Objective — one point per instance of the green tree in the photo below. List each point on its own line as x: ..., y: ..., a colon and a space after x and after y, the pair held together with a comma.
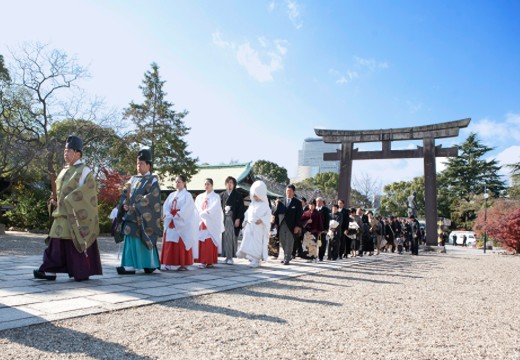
x: 326, y: 180
x: 444, y: 197
x: 326, y: 185
x: 160, y: 128
x: 271, y: 171
x: 466, y: 177
x: 4, y: 73
x: 357, y: 199
x: 514, y: 189
x: 15, y: 155
x: 322, y: 184
x: 469, y: 173
x: 40, y: 93
x: 395, y: 197
x: 42, y: 78
x: 102, y: 147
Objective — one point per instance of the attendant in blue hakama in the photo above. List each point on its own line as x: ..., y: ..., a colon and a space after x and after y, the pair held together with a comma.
x: 139, y: 219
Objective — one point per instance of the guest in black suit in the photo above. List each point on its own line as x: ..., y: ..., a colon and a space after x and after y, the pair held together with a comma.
x: 298, y: 240
x: 233, y: 207
x: 359, y: 239
x: 325, y: 217
x: 335, y: 240
x: 288, y: 224
x: 415, y: 228
x: 343, y: 250
x: 304, y: 204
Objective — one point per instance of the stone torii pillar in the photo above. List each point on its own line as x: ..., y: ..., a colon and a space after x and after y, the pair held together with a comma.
x: 427, y: 133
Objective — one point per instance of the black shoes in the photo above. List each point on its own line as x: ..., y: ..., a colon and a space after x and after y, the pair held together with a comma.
x: 122, y: 271
x: 286, y: 262
x: 41, y: 275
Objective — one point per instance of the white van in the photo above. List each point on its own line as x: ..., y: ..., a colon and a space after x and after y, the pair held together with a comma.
x: 471, y: 239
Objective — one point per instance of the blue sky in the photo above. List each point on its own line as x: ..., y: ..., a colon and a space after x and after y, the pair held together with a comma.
x: 258, y: 76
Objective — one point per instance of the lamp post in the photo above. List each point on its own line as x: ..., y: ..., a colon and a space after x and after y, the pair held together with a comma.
x: 486, y: 195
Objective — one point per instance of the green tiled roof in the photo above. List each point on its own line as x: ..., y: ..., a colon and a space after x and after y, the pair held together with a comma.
x: 218, y: 173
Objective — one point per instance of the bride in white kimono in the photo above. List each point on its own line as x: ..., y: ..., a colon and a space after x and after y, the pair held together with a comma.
x: 257, y: 221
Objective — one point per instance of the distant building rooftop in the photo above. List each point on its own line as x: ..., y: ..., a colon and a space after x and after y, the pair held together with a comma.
x: 241, y: 172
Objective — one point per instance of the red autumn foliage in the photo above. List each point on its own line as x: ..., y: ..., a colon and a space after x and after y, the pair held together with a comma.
x: 111, y: 186
x: 503, y: 224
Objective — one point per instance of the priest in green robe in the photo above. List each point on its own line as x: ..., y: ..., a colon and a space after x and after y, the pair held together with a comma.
x: 72, y: 243
x: 139, y: 219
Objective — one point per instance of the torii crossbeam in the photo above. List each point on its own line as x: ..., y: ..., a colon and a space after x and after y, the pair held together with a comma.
x: 426, y: 133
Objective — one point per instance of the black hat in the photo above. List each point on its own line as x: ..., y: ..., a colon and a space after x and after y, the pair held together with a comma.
x: 75, y: 143
x: 145, y: 155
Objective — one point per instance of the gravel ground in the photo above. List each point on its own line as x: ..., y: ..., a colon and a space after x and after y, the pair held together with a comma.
x: 436, y: 306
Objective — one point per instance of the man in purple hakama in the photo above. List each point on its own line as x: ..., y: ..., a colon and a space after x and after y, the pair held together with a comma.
x: 72, y: 246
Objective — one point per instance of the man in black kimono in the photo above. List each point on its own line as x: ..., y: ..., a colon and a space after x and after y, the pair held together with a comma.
x: 233, y: 207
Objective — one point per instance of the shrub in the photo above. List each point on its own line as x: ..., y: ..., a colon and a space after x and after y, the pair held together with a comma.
x: 29, y: 208
x: 503, y: 223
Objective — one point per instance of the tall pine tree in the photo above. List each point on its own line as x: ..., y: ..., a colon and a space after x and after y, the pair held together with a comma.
x: 469, y: 173
x: 160, y: 128
x: 465, y: 179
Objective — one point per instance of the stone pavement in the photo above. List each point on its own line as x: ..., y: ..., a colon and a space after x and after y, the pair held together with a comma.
x: 25, y: 301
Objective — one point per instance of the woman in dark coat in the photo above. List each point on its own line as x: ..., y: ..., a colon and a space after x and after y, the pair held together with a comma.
x: 311, y: 221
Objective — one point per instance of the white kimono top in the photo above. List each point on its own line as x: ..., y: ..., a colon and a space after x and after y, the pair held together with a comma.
x: 211, y: 222
x: 179, y: 207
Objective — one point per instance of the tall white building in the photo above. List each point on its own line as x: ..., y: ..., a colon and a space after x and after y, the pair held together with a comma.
x: 310, y: 159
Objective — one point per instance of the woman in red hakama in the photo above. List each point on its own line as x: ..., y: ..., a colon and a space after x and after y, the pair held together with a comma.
x: 211, y: 225
x: 181, y: 221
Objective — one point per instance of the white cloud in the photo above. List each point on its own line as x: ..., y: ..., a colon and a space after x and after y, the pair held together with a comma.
x: 280, y: 46
x: 413, y: 107
x: 334, y: 72
x: 348, y: 77
x: 508, y: 156
x: 250, y: 59
x: 512, y: 118
x: 264, y: 42
x: 260, y: 63
x: 497, y: 130
x: 370, y: 64
x: 293, y: 10
x: 218, y: 41
x: 361, y: 66
x: 271, y: 6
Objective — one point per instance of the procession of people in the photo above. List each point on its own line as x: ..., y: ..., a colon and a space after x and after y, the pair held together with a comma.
x: 201, y: 230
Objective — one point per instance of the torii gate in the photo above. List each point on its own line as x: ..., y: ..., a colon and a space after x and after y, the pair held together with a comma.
x: 428, y: 151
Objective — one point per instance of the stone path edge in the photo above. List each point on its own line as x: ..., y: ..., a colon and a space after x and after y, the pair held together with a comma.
x: 271, y: 272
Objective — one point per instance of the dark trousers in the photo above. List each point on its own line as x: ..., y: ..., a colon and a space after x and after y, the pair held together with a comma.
x: 334, y: 245
x: 415, y: 246
x: 286, y: 241
x: 297, y: 247
x: 343, y: 251
x: 359, y: 243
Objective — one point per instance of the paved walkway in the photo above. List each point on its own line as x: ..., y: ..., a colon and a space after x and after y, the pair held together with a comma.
x: 25, y: 301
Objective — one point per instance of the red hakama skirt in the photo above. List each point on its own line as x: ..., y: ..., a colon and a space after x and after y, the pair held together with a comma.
x: 175, y: 253
x: 208, y: 252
